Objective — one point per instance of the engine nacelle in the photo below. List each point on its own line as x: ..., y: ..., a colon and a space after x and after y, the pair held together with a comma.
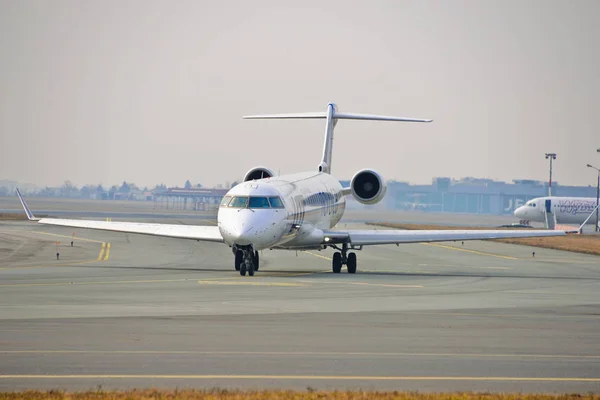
x: 258, y: 173
x: 368, y: 187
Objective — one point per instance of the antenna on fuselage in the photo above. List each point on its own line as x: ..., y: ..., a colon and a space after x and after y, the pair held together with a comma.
x: 332, y: 115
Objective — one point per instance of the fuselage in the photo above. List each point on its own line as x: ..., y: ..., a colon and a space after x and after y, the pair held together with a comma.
x: 568, y: 210
x: 288, y: 211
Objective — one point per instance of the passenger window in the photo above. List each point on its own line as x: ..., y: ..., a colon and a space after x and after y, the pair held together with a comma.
x: 275, y: 202
x: 258, y: 202
x: 239, y: 202
x: 225, y: 201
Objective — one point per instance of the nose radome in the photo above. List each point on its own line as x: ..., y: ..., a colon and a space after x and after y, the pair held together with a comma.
x: 518, y: 212
x: 241, y: 229
x: 242, y: 236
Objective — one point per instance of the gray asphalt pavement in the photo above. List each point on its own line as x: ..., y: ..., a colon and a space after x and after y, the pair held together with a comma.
x: 123, y: 310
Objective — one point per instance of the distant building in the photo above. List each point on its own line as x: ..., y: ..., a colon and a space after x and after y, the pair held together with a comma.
x: 474, y: 195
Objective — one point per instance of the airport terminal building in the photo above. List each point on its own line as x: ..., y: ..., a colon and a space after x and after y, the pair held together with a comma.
x: 470, y: 195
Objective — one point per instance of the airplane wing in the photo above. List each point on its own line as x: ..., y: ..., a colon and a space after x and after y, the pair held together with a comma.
x: 395, y: 236
x: 193, y: 232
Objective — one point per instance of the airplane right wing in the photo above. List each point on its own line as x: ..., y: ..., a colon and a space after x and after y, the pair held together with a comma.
x: 193, y: 232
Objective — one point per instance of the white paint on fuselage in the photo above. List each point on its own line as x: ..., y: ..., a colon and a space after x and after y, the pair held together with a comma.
x: 312, y: 201
x: 568, y: 210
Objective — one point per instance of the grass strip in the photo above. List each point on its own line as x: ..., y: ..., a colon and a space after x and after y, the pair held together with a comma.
x: 309, y: 394
x: 13, y: 216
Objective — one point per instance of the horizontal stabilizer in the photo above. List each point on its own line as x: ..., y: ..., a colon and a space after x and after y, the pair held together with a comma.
x: 314, y: 115
x: 336, y: 115
x: 371, y: 117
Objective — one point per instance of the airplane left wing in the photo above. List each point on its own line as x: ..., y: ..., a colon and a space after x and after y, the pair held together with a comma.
x: 394, y: 236
x: 193, y: 232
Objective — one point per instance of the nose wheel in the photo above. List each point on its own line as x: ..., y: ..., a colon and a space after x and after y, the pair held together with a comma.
x: 246, y: 261
x: 343, y: 258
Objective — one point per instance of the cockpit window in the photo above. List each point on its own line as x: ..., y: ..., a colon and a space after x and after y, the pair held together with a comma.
x: 275, y: 202
x: 258, y: 202
x: 251, y: 202
x: 225, y: 201
x: 239, y: 202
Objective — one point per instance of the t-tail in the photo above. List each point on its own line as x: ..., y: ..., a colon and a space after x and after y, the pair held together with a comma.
x: 332, y: 115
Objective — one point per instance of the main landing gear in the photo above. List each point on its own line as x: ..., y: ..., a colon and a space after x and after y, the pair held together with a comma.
x: 246, y: 260
x: 342, y: 257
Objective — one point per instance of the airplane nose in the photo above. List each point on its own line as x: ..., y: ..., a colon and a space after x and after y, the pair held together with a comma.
x: 242, y: 236
x: 518, y: 212
x: 249, y: 227
x: 240, y: 230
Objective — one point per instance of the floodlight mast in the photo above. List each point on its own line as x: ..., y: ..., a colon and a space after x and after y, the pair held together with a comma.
x: 551, y: 156
x: 597, y: 191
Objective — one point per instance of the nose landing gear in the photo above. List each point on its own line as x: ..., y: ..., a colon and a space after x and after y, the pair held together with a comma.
x: 342, y: 257
x: 246, y: 260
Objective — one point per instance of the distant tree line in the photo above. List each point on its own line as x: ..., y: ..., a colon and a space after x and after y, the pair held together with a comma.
x: 125, y: 191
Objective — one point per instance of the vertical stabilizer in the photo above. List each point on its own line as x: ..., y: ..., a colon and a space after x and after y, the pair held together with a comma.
x: 325, y: 165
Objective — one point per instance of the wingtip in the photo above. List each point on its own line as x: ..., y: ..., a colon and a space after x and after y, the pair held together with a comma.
x: 28, y: 212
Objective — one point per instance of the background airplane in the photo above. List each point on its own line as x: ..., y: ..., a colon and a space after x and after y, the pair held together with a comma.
x: 296, y: 212
x: 561, y: 210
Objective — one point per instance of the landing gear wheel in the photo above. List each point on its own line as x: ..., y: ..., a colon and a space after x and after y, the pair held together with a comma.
x: 239, y: 259
x: 351, y: 263
x: 336, y: 264
x: 256, y: 260
x: 250, y: 266
x: 243, y: 269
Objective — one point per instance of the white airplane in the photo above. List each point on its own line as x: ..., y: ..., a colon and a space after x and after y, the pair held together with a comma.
x: 296, y: 212
x: 567, y: 210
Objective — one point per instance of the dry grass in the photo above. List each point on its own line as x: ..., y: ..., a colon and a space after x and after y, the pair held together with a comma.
x: 218, y: 394
x: 588, y: 244
x: 13, y: 216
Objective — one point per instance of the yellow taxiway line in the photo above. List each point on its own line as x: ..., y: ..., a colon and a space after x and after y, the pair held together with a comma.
x: 107, y: 252
x: 102, y: 248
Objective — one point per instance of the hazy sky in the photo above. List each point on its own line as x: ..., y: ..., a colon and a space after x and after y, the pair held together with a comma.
x: 154, y: 91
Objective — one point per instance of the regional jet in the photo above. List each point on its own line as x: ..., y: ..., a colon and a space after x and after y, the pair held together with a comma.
x: 297, y: 212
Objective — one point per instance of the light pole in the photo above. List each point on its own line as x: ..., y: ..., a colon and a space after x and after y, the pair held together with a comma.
x: 597, y: 191
x: 551, y: 156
